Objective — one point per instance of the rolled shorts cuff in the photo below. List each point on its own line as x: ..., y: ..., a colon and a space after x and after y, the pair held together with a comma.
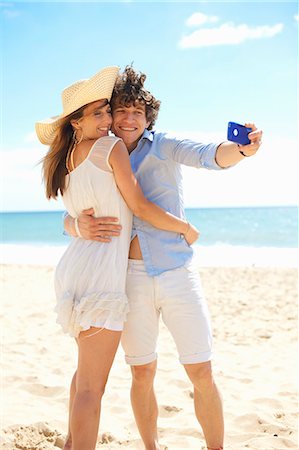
x: 140, y: 360
x: 196, y: 358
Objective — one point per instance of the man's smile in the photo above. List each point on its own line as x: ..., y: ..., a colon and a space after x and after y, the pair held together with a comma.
x: 127, y: 129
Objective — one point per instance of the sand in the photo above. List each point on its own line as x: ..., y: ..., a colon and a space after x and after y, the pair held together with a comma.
x: 254, y: 316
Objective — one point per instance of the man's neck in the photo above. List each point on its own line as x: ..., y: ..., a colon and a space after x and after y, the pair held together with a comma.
x: 130, y: 148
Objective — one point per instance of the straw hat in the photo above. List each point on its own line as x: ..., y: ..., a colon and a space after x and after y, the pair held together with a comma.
x: 75, y: 96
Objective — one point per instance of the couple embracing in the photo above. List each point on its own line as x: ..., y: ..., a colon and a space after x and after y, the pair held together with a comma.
x: 130, y: 259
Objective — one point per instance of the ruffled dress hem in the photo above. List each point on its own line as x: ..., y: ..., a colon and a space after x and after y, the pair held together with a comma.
x: 76, y: 315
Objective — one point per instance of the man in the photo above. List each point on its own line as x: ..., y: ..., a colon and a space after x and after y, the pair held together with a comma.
x: 161, y: 279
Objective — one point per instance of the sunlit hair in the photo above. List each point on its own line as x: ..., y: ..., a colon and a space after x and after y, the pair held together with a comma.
x: 129, y: 90
x: 54, y: 163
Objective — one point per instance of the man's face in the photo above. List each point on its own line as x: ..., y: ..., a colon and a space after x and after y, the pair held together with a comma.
x: 129, y: 123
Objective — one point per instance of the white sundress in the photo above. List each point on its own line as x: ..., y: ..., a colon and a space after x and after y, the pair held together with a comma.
x: 90, y: 278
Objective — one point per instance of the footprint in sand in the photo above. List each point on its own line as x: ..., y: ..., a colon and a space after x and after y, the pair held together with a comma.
x: 43, y: 390
x: 180, y: 383
x: 37, y: 436
x: 167, y: 411
x: 190, y: 393
x: 107, y: 438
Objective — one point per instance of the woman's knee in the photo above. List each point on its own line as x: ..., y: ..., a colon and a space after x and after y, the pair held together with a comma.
x: 144, y: 374
x: 91, y: 389
x: 86, y: 395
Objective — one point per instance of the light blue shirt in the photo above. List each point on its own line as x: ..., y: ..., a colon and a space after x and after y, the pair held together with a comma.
x: 156, y: 162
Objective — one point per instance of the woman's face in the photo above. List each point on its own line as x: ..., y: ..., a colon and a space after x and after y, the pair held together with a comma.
x: 96, y: 120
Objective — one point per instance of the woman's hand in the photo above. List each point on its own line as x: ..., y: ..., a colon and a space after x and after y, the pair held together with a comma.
x: 192, y: 234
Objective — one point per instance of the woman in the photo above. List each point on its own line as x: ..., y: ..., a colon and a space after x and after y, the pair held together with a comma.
x: 89, y: 168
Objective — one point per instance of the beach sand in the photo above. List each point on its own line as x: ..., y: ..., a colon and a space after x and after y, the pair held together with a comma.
x: 254, y: 317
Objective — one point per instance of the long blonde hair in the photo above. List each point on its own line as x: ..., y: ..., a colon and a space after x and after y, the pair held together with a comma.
x: 54, y: 164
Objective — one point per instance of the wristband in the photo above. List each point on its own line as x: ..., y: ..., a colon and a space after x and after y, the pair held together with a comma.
x: 242, y: 153
x: 77, y: 227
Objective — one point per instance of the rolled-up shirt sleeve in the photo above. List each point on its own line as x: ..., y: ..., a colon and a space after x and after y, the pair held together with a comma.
x: 195, y: 154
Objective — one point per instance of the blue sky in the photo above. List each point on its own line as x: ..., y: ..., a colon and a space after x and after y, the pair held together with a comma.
x: 208, y: 62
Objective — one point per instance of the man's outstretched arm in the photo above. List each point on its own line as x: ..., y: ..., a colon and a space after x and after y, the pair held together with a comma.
x: 99, y: 229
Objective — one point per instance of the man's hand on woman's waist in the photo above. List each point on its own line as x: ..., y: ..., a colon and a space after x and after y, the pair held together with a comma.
x: 99, y: 229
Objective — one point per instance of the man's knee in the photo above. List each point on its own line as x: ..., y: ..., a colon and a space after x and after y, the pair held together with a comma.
x: 200, y: 374
x: 145, y: 374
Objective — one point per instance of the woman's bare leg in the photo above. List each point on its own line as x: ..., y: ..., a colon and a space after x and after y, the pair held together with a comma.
x: 68, y: 441
x: 96, y: 355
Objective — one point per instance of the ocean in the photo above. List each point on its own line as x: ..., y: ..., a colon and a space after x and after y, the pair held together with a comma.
x: 231, y: 236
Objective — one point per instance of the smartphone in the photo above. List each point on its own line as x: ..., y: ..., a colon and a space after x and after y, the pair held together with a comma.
x: 238, y: 133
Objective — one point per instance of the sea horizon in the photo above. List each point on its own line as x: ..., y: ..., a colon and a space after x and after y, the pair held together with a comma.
x: 187, y: 207
x: 230, y: 236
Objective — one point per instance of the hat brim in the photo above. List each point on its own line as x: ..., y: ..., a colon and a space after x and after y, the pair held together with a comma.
x: 46, y: 129
x: 99, y: 86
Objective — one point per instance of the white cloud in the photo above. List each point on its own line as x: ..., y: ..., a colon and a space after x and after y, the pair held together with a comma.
x: 21, y: 180
x: 252, y: 182
x: 296, y: 18
x: 228, y: 34
x: 10, y: 14
x: 200, y: 19
x: 31, y: 138
x: 9, y: 10
x: 264, y: 179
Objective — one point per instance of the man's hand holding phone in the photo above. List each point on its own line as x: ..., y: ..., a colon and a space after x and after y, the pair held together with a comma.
x: 247, y: 136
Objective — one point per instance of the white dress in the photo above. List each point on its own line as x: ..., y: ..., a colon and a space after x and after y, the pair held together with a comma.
x: 90, y: 277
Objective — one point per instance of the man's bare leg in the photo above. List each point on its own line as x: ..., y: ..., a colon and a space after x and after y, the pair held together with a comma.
x: 144, y: 404
x: 207, y: 403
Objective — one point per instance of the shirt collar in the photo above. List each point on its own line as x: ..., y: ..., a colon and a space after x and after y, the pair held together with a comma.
x: 148, y: 135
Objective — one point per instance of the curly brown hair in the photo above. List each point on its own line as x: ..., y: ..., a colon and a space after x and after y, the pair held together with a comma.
x: 129, y: 90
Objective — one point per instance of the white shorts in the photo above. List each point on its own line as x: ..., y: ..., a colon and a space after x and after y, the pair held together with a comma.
x: 177, y: 296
